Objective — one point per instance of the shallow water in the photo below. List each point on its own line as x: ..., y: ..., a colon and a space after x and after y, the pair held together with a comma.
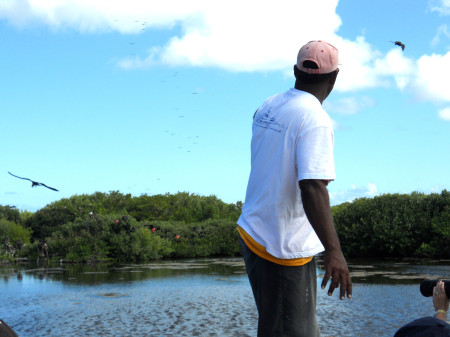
x: 202, y: 297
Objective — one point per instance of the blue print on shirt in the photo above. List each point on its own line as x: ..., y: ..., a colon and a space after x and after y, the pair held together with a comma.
x: 265, y: 120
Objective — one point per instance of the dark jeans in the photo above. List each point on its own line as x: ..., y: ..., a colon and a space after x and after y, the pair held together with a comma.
x: 285, y: 296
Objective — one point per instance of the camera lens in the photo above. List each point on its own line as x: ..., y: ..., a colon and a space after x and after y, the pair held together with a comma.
x: 427, y: 285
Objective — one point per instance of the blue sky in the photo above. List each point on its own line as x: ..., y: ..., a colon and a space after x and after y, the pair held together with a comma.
x: 146, y: 97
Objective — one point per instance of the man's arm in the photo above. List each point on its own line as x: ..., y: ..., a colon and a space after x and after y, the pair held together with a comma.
x: 316, y: 203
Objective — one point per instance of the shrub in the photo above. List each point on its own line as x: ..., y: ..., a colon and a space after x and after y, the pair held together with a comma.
x: 15, y: 232
x: 395, y: 225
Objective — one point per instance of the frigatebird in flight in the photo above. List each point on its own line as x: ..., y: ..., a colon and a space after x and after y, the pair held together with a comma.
x: 398, y: 43
x: 34, y: 183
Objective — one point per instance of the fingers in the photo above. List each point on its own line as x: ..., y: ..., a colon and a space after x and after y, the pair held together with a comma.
x: 438, y: 288
x: 349, y: 288
x: 440, y: 300
x: 331, y: 288
x: 325, y: 279
x: 345, y: 285
x: 343, y: 289
x: 341, y: 280
x: 335, y: 280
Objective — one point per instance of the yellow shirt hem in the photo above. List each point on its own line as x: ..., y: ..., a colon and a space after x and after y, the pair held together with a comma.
x: 260, y: 250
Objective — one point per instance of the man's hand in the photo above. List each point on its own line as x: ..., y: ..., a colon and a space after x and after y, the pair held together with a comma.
x: 336, y: 268
x: 316, y: 204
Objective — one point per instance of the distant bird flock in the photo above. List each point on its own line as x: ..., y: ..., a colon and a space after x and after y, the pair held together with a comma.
x: 35, y: 183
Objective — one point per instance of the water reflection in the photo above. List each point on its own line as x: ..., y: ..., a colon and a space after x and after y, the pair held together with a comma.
x: 362, y: 271
x: 103, y: 273
x: 405, y: 271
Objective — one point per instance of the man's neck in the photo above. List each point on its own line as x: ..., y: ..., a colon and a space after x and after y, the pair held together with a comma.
x: 316, y: 91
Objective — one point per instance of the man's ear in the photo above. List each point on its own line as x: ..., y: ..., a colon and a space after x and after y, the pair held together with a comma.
x: 334, y: 77
x: 336, y: 72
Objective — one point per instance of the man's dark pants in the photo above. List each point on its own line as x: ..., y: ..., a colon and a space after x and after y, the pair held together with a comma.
x: 285, y: 296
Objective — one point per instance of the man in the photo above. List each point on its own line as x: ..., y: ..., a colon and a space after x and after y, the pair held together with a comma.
x: 286, y: 218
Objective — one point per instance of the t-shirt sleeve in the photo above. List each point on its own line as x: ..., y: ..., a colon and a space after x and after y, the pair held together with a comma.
x: 314, y: 153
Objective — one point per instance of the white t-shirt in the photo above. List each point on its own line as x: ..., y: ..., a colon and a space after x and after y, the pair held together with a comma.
x: 292, y: 139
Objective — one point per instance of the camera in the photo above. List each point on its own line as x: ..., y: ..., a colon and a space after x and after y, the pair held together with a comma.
x: 427, y: 285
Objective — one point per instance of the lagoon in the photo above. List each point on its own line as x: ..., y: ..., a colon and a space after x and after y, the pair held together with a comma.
x: 199, y: 297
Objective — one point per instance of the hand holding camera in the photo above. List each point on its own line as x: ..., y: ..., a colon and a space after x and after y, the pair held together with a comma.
x: 427, y: 286
x: 440, y: 290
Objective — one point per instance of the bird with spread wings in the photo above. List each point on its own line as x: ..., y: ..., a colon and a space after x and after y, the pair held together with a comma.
x: 398, y: 43
x: 34, y: 183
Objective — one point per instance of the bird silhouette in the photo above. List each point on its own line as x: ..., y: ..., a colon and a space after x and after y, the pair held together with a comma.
x: 34, y: 183
x: 398, y: 43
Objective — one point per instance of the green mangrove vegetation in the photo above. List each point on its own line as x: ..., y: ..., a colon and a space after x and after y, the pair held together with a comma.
x: 395, y: 225
x: 115, y: 227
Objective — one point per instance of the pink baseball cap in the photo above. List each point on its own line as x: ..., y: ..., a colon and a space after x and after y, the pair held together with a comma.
x: 323, y: 54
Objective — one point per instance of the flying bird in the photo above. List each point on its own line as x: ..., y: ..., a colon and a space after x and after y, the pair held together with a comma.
x: 34, y: 183
x: 398, y: 43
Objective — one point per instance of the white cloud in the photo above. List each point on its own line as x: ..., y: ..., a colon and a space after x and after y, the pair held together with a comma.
x: 252, y: 35
x: 349, y: 105
x: 431, y: 77
x: 440, y: 6
x: 99, y: 15
x: 357, y: 60
x: 442, y: 30
x: 137, y: 63
x: 444, y: 114
x: 339, y: 197
x: 235, y: 35
x: 397, y: 65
